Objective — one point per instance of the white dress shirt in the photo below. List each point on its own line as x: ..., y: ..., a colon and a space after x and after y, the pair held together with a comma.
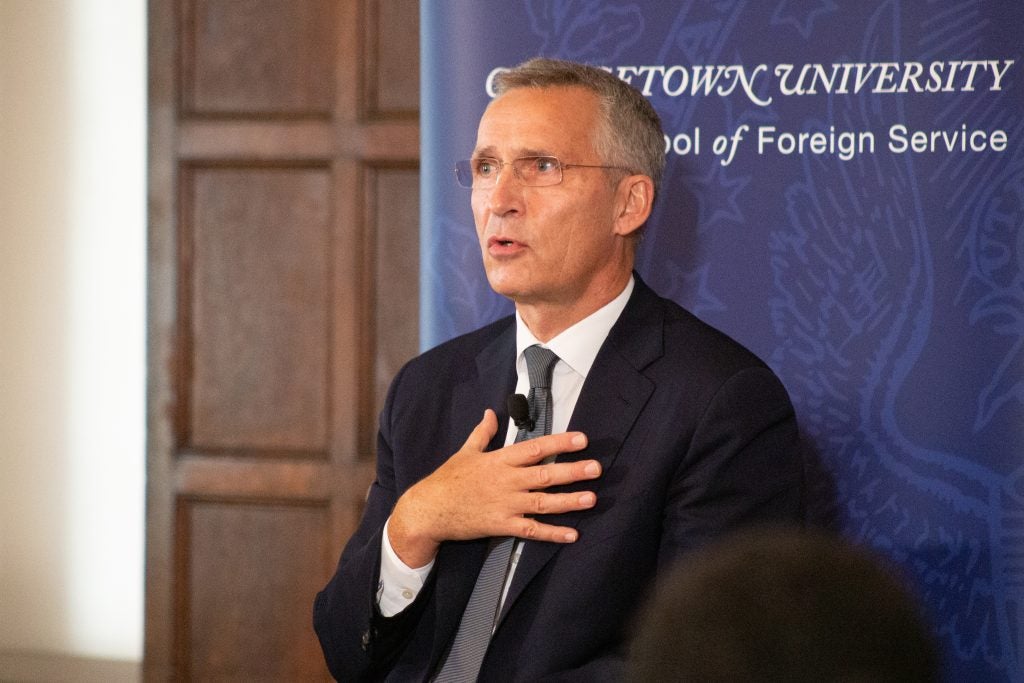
x: 576, y: 348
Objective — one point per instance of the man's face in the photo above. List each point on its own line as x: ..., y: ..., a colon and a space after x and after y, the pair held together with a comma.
x: 552, y: 245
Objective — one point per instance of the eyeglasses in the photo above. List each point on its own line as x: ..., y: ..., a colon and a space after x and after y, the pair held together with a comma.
x: 483, y: 172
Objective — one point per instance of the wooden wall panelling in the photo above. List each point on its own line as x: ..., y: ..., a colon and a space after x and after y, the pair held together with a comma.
x: 393, y: 198
x: 257, y: 309
x: 230, y: 623
x: 391, y: 76
x: 263, y: 58
x: 282, y: 293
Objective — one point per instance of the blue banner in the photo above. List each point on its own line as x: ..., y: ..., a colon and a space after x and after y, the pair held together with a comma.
x: 844, y: 195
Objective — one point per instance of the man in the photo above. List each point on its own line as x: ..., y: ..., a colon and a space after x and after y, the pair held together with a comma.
x: 666, y: 432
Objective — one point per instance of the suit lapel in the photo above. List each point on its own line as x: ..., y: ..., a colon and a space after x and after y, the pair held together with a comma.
x: 613, y: 396
x: 488, y: 387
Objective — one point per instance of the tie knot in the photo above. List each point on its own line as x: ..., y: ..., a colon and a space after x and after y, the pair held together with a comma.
x: 539, y: 364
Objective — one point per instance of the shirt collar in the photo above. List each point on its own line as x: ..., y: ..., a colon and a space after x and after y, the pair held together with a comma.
x: 578, y: 345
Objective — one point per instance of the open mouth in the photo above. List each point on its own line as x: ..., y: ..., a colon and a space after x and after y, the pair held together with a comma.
x: 500, y: 247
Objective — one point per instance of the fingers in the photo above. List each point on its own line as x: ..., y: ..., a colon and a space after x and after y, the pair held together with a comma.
x: 499, y: 495
x: 539, y: 503
x: 557, y: 473
x: 526, y: 453
x: 533, y: 530
x: 533, y: 451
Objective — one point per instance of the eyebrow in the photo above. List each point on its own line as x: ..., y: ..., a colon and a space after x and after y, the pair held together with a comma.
x: 491, y: 153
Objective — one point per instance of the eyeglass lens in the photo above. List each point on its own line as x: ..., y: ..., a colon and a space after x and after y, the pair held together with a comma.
x: 483, y: 172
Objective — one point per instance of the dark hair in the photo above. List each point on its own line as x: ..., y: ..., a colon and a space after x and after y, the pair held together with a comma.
x: 782, y: 605
x: 631, y: 134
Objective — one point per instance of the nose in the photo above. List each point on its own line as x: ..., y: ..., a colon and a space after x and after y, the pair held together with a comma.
x: 507, y: 194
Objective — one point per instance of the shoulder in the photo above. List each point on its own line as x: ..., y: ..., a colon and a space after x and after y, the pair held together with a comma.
x: 689, y: 336
x: 460, y: 356
x: 687, y: 350
x: 682, y: 335
x: 425, y: 389
x: 476, y: 340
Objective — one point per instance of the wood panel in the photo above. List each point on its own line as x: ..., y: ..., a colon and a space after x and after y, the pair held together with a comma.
x: 230, y: 623
x: 393, y: 197
x: 256, y: 263
x: 283, y: 295
x: 392, y: 87
x: 260, y: 58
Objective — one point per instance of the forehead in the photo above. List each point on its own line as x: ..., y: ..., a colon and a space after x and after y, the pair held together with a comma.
x: 560, y: 121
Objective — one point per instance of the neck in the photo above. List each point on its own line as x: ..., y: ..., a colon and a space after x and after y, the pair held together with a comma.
x: 547, y: 319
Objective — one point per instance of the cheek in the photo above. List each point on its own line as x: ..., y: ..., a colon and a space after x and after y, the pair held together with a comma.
x: 477, y: 204
x: 585, y: 232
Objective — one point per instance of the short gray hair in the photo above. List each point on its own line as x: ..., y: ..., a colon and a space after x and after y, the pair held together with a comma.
x: 631, y: 136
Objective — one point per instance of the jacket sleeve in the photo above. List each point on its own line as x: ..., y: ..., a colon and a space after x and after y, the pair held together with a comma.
x: 357, y: 641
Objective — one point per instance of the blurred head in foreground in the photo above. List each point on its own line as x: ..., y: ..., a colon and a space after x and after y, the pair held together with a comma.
x: 782, y: 605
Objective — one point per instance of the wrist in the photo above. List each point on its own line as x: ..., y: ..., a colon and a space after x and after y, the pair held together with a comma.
x: 415, y: 548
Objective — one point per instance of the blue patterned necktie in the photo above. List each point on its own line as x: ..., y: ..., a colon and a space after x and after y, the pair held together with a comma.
x: 474, y: 635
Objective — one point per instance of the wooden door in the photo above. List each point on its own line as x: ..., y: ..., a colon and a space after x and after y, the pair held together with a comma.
x: 283, y: 280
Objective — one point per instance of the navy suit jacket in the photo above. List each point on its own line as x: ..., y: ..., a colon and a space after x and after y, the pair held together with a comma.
x: 696, y: 437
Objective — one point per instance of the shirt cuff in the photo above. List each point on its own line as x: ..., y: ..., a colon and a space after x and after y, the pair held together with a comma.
x: 398, y: 584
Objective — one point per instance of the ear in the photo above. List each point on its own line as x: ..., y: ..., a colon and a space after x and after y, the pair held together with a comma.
x: 635, y: 196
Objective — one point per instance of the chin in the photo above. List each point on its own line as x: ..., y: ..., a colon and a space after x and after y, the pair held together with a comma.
x: 506, y: 286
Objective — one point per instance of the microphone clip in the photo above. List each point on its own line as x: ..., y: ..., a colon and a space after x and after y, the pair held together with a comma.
x: 519, y: 411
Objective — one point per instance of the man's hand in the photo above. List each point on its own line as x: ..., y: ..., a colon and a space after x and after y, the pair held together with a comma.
x: 476, y: 494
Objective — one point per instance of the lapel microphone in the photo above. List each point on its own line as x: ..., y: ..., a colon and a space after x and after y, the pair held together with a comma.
x: 519, y: 411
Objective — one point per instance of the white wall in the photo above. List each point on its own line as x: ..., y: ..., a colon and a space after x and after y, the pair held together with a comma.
x: 72, y: 309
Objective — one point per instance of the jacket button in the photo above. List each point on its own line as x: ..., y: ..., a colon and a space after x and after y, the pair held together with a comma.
x: 365, y: 640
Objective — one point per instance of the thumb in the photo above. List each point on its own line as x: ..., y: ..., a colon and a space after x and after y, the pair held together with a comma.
x: 482, y: 434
